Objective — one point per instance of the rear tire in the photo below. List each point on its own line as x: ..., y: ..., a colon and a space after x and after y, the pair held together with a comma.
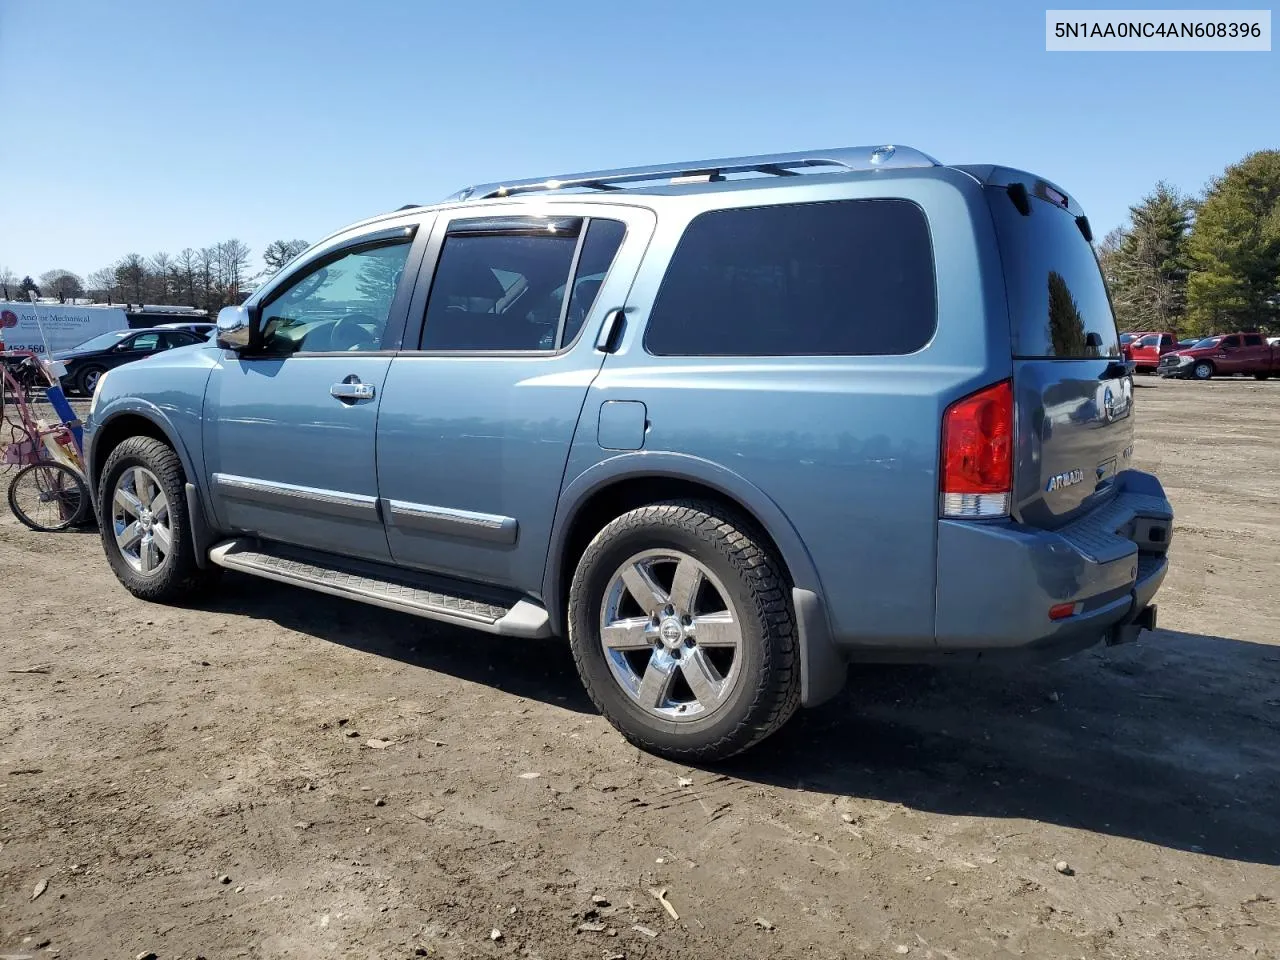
x: 1262, y: 376
x: 1203, y: 370
x: 146, y: 531
x: 706, y: 665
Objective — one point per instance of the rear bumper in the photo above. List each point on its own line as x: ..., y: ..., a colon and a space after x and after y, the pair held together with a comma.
x: 997, y: 581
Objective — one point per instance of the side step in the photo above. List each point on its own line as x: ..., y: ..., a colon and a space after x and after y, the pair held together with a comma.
x: 422, y: 595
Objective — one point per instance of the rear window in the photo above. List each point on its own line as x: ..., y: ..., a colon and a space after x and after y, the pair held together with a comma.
x: 840, y: 278
x: 1057, y: 297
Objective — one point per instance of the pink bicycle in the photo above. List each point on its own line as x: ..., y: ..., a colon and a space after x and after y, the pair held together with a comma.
x: 48, y: 492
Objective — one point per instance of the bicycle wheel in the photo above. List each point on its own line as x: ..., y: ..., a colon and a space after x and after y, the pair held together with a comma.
x: 48, y: 497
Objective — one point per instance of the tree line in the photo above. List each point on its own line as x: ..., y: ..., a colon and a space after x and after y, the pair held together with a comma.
x: 208, y: 277
x: 1198, y: 265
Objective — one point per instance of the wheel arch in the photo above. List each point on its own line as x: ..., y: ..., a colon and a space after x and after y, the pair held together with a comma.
x: 614, y: 486
x: 141, y: 419
x: 138, y: 419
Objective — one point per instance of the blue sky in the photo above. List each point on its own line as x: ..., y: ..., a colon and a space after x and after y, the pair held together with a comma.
x: 149, y: 126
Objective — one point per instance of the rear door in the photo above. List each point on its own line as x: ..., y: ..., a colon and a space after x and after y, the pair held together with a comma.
x: 480, y: 411
x: 1073, y: 396
x: 1253, y: 354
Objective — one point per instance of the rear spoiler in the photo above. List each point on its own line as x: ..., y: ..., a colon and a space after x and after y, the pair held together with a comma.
x: 1021, y: 186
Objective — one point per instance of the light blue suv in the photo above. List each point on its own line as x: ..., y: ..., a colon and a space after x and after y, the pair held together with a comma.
x: 727, y: 426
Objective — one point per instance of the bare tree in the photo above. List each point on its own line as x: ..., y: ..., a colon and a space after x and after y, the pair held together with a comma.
x: 161, y: 275
x: 62, y: 284
x: 131, y: 276
x: 103, y: 284
x: 233, y: 266
x: 208, y: 260
x: 8, y: 283
x: 186, y: 265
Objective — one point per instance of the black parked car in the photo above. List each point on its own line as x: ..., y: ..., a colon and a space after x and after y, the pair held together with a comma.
x: 88, y: 361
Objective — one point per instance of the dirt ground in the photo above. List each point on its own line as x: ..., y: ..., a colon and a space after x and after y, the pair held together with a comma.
x: 200, y: 782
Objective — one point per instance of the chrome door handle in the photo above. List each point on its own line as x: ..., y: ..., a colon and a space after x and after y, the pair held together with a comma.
x: 352, y: 391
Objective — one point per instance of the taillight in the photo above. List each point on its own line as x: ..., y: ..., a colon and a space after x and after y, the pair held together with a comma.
x: 977, y: 454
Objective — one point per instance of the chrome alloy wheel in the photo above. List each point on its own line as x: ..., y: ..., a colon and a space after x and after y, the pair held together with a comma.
x: 671, y: 635
x: 140, y: 520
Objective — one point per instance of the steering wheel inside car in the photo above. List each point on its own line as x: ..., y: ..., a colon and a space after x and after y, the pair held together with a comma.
x: 349, y: 334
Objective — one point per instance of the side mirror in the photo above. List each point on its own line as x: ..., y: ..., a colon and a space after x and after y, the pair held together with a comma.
x: 235, y: 328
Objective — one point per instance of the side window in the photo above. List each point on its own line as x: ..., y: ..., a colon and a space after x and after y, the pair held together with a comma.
x: 1230, y: 342
x: 604, y: 237
x: 144, y: 343
x: 341, y: 306
x: 1253, y: 339
x: 1150, y: 341
x: 500, y: 284
x: 1166, y: 340
x: 842, y: 278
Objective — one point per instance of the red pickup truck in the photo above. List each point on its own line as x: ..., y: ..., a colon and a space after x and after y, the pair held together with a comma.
x: 1222, y: 356
x: 1146, y: 349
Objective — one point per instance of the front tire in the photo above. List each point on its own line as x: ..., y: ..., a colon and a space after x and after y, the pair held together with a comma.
x: 1262, y: 376
x: 146, y: 532
x: 1202, y: 370
x: 681, y: 626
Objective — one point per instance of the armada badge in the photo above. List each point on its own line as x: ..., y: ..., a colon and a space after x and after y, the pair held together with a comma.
x: 1067, y: 479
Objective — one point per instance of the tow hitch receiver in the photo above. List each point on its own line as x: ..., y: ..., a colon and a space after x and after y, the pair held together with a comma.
x: 1128, y: 631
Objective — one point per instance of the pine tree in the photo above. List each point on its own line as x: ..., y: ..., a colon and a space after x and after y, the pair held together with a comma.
x: 1235, y: 249
x: 1149, y: 267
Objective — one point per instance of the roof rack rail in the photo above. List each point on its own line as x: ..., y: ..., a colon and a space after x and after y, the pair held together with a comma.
x: 884, y: 157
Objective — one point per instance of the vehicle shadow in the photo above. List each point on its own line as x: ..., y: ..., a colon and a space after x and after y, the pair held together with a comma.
x: 537, y: 669
x: 1174, y: 740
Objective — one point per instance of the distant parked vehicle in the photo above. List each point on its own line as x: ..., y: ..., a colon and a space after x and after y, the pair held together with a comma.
x: 88, y: 361
x: 202, y: 329
x: 1127, y: 341
x: 1146, y: 351
x: 1221, y: 356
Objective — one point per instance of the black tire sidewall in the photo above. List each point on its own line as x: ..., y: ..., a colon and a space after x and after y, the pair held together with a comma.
x: 82, y: 380
x: 166, y: 581
x: 744, y: 712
